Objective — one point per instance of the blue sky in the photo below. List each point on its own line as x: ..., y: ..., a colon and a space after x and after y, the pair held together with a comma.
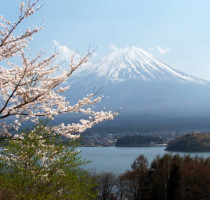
x: 177, y: 32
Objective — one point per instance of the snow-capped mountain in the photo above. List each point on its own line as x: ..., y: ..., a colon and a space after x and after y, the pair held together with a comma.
x: 133, y: 79
x: 135, y: 63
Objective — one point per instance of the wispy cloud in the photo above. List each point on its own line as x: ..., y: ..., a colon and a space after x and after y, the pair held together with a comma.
x: 162, y: 50
x: 113, y: 47
x: 64, y: 53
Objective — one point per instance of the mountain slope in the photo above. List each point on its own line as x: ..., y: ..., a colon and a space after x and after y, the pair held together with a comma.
x: 135, y: 63
x: 133, y: 79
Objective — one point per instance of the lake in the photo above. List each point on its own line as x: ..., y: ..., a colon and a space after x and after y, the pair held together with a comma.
x: 119, y: 159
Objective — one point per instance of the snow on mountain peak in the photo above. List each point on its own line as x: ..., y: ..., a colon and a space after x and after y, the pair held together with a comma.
x: 135, y: 63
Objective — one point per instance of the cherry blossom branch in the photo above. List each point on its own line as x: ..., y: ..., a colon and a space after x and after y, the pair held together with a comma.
x: 33, y: 89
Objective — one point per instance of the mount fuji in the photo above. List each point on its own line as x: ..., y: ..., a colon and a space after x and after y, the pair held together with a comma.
x: 135, y: 63
x: 133, y: 79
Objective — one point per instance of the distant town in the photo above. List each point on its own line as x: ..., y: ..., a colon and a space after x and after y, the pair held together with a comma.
x: 106, y: 138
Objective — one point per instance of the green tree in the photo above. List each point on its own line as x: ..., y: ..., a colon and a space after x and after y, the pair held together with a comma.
x: 38, y: 166
x: 159, y: 176
x: 133, y: 183
x: 174, y: 182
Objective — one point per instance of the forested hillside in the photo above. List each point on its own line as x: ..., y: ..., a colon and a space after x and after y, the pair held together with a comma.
x: 197, y: 142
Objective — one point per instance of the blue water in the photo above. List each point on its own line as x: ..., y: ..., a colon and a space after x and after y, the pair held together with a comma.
x: 119, y: 159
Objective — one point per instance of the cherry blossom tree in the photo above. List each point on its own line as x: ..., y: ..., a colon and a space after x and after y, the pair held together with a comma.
x: 33, y: 88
